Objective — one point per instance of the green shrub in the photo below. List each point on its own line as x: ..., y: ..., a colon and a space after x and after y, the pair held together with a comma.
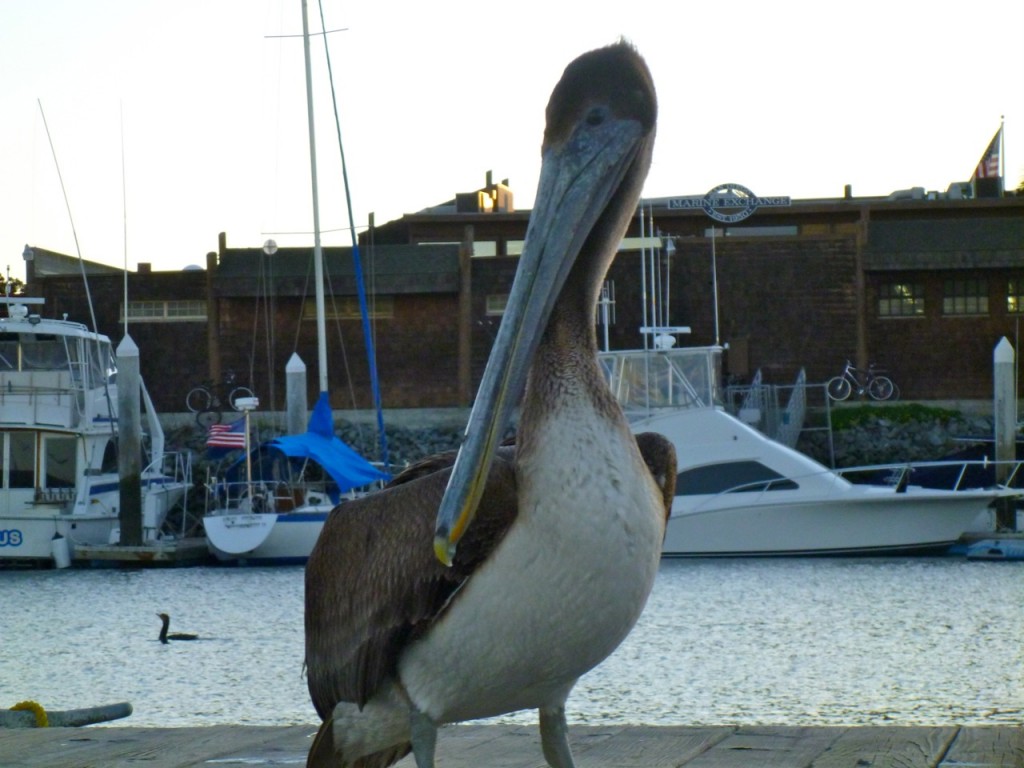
x: 902, y: 413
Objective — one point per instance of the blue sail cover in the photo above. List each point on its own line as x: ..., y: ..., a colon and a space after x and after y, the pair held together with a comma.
x: 346, y: 467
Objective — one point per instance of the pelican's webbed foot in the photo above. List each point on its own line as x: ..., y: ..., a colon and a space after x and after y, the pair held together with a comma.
x: 554, y: 737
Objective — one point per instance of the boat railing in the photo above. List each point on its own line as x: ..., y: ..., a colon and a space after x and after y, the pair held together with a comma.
x: 950, y: 475
x: 759, y: 405
x: 645, y: 381
x: 176, y: 465
x: 959, y: 475
x: 792, y: 421
x: 41, y: 397
x: 242, y: 497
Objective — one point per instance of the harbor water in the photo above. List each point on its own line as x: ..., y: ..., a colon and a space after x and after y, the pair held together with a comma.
x: 829, y: 641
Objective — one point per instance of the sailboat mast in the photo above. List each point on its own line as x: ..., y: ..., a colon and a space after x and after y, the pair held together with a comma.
x: 318, y: 254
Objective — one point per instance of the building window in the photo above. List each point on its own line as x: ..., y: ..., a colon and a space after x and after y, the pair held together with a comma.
x: 901, y: 300
x: 347, y: 308
x: 165, y: 311
x: 781, y: 230
x: 1015, y: 296
x: 496, y: 303
x: 965, y: 297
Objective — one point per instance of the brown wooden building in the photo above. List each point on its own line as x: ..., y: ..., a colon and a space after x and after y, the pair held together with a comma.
x: 922, y: 284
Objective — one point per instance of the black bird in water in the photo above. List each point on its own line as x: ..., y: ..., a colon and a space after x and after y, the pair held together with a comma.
x: 558, y: 537
x: 166, y: 638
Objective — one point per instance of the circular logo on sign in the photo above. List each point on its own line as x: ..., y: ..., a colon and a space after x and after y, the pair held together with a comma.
x: 729, y: 203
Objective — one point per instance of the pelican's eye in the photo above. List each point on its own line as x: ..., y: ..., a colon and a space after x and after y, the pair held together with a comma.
x: 595, y: 116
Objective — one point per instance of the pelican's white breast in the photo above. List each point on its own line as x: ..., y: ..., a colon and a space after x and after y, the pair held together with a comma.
x: 562, y: 590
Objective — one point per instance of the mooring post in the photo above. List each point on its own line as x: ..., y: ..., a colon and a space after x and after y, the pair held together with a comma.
x: 129, y: 453
x: 1004, y: 413
x: 295, y: 395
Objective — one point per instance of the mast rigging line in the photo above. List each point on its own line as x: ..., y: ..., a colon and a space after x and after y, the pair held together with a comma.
x: 74, y: 231
x: 356, y: 259
x: 81, y: 261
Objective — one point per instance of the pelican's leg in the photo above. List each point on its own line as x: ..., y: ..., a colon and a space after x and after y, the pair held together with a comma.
x: 423, y: 738
x: 554, y: 737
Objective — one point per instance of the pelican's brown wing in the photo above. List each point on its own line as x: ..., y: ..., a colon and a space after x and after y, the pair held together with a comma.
x: 373, y: 583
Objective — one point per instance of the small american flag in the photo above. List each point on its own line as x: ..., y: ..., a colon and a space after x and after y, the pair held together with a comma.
x: 227, y: 435
x: 988, y: 168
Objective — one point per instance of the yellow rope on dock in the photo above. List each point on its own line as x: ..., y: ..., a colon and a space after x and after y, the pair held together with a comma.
x: 42, y: 721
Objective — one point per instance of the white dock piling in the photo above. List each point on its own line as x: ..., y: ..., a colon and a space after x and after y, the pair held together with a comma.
x: 129, y: 454
x: 295, y: 395
x: 1004, y: 411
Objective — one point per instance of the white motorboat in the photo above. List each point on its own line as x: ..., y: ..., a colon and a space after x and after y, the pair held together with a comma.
x: 740, y: 493
x: 59, y: 482
x: 269, y: 508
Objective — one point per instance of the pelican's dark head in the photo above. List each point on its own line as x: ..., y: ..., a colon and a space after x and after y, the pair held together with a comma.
x: 612, y: 81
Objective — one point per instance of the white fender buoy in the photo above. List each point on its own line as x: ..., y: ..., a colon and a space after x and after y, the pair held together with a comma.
x: 60, y: 551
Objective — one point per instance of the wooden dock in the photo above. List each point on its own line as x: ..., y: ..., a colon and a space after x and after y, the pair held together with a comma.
x: 171, y: 553
x: 480, y: 746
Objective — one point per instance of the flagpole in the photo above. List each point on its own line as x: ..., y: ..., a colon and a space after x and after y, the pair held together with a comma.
x: 1002, y: 157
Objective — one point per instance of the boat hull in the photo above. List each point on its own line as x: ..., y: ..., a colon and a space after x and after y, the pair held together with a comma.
x: 264, y: 538
x: 29, y: 538
x: 886, y: 523
x: 741, y: 494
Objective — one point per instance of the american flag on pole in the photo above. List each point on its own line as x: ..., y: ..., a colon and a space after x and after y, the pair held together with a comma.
x: 988, y: 168
x: 227, y: 435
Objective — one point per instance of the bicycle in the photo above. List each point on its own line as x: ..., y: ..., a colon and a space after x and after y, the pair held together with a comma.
x: 873, y: 382
x: 204, y: 400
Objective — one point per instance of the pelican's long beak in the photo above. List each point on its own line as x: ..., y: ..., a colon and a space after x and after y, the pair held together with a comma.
x: 580, y: 175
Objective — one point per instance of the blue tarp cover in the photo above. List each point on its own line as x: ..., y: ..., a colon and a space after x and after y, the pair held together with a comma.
x: 346, y: 467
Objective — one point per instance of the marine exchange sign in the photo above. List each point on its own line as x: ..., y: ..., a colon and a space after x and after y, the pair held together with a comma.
x: 727, y: 203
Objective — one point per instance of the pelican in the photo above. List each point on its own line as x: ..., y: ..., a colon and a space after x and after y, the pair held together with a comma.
x: 544, y: 552
x: 165, y: 638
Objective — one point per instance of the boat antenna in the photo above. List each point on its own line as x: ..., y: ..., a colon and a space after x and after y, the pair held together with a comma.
x: 124, y: 217
x: 67, y: 204
x: 81, y: 261
x: 356, y: 259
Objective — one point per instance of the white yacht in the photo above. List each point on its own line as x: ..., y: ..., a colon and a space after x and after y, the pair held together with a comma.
x: 59, y: 482
x: 740, y: 493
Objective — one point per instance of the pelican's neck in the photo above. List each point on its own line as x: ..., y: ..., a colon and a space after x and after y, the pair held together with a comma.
x: 565, y: 370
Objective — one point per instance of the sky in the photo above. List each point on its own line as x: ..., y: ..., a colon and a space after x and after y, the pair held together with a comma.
x: 172, y: 122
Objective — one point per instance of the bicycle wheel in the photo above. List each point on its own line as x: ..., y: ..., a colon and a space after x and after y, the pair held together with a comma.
x: 881, y: 388
x: 236, y: 394
x: 198, y: 399
x: 838, y: 388
x: 209, y: 417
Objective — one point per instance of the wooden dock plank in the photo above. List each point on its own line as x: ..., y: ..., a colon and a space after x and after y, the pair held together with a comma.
x: 593, y: 746
x: 986, y: 746
x: 152, y: 747
x: 769, y: 747
x: 906, y: 747
x: 646, y: 747
x: 498, y: 746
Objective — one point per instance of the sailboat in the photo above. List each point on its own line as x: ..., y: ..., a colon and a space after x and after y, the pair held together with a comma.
x: 274, y: 513
x: 271, y: 504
